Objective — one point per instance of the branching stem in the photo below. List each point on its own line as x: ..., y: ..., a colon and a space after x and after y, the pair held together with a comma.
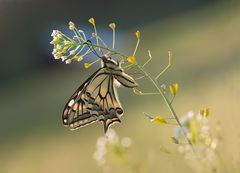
x: 154, y: 82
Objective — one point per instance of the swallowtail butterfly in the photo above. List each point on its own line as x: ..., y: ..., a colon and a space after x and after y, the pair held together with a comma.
x: 96, y: 99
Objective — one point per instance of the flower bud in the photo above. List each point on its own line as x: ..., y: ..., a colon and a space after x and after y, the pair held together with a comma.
x: 138, y: 35
x: 132, y: 60
x: 92, y: 21
x: 112, y: 25
x: 174, y: 88
x: 71, y: 25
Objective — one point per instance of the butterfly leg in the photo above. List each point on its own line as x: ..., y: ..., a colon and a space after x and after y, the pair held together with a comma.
x: 141, y: 77
x: 138, y: 92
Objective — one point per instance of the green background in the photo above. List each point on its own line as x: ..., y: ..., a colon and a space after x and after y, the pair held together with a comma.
x: 203, y: 35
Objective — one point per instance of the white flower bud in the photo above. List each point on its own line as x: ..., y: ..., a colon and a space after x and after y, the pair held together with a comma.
x: 58, y: 47
x: 76, y: 38
x: 55, y: 32
x: 72, y: 52
x: 56, y: 56
x: 68, y: 61
x: 66, y: 42
x: 126, y: 142
x: 71, y: 25
x: 63, y: 58
x: 54, y: 51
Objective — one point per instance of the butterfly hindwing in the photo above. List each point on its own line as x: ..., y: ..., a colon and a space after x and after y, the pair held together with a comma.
x: 96, y: 99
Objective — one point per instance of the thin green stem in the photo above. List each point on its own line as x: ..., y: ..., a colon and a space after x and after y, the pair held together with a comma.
x: 166, y: 101
x: 101, y: 47
x: 113, y: 39
x: 155, y: 83
x: 162, y: 72
x: 135, y: 50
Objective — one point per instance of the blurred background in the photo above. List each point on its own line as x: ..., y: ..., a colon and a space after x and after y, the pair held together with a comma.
x: 204, y: 36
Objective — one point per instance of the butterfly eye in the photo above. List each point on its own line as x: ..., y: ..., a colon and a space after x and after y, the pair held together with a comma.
x: 104, y: 59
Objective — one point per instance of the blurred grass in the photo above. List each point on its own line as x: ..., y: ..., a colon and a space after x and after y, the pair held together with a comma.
x: 206, y: 53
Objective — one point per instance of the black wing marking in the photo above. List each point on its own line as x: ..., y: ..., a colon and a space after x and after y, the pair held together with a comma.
x: 96, y: 99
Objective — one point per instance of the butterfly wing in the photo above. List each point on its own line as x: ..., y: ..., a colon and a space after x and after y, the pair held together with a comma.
x: 95, y: 100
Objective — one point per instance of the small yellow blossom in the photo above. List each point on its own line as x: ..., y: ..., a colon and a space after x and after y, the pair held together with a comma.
x: 174, y: 88
x: 132, y: 60
x: 112, y: 25
x: 159, y: 120
x: 138, y: 35
x: 78, y: 58
x: 205, y: 112
x: 87, y: 65
x: 92, y: 21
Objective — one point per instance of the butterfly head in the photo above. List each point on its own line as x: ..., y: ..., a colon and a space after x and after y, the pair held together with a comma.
x: 108, y: 62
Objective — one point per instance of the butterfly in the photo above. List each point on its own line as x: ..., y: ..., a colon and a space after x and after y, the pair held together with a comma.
x: 96, y: 99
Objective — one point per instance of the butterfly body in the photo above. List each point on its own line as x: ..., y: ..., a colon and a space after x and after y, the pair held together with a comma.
x: 96, y: 99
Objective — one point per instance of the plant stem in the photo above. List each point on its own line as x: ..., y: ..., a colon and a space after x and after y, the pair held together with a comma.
x: 155, y: 83
x: 101, y: 47
x: 166, y: 101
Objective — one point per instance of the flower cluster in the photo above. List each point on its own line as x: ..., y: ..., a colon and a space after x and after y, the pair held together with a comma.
x: 202, y: 155
x: 110, y: 143
x: 78, y: 46
x: 75, y: 48
x: 65, y: 48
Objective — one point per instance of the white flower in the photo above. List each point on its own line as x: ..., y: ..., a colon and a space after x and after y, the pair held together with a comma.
x: 72, y: 52
x: 100, y: 152
x: 56, y: 56
x: 65, y: 42
x: 54, y: 51
x: 126, y: 142
x: 179, y: 132
x: 187, y: 118
x: 76, y: 37
x: 68, y: 61
x: 112, y: 136
x: 54, y: 40
x: 58, y: 47
x: 71, y: 25
x: 63, y: 58
x: 54, y: 33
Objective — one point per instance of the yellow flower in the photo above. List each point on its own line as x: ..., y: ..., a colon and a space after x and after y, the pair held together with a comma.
x: 92, y: 21
x: 205, y: 112
x: 138, y: 35
x: 174, y: 88
x: 132, y: 60
x: 87, y: 65
x: 78, y: 58
x: 159, y: 120
x: 112, y: 25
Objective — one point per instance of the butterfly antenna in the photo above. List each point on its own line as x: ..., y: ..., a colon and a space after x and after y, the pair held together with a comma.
x: 90, y: 45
